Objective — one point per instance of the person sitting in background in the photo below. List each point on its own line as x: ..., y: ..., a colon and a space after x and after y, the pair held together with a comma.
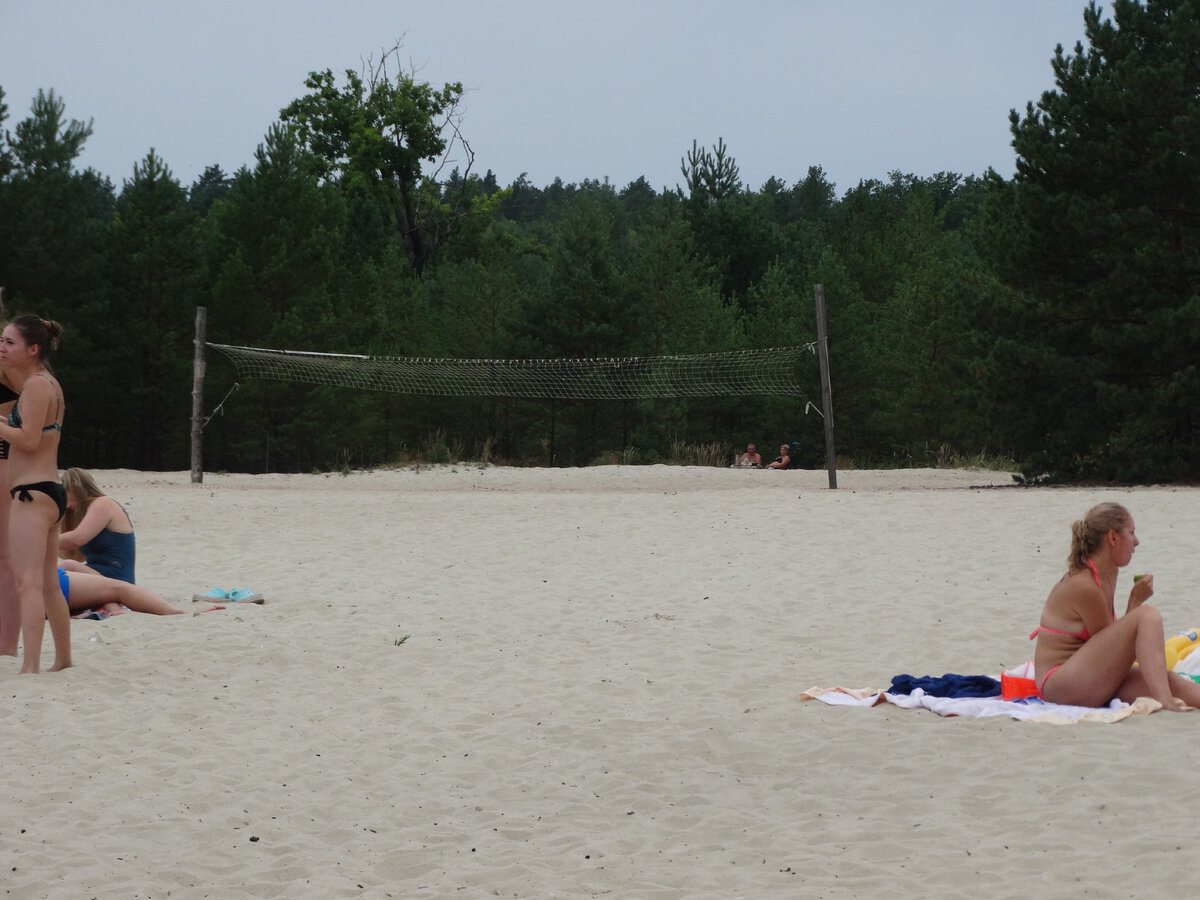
x: 97, y: 528
x: 87, y: 591
x: 751, y: 459
x: 783, y: 460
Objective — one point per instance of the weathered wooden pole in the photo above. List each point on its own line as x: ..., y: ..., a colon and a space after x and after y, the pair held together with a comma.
x: 826, y: 389
x: 198, y: 396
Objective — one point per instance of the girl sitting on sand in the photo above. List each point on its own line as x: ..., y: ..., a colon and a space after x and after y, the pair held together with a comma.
x: 86, y: 590
x: 1085, y: 655
x: 97, y: 528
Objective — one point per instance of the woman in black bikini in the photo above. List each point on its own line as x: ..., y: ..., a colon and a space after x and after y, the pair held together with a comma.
x: 32, y: 431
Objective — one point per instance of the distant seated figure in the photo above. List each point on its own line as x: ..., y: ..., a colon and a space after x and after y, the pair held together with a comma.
x: 750, y: 459
x: 97, y: 528
x: 783, y: 460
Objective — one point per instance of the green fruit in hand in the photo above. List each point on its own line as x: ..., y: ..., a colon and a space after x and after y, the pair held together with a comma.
x: 1138, y: 577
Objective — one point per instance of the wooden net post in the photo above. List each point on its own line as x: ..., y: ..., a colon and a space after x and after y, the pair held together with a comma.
x: 198, y: 396
x: 826, y: 389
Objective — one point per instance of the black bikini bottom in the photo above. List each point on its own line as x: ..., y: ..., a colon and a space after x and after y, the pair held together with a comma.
x: 51, y: 489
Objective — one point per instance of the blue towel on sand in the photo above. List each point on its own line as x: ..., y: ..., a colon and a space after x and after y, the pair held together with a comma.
x: 947, y: 685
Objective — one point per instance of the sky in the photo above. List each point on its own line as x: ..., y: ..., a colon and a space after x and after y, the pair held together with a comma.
x: 560, y: 88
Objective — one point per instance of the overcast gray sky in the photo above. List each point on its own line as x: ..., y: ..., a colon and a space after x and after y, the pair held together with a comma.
x: 557, y: 88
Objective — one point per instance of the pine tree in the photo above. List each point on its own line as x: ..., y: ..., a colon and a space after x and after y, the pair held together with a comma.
x: 1100, y: 232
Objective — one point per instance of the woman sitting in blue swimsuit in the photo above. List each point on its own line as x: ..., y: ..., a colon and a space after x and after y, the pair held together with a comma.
x: 84, y: 591
x: 97, y: 528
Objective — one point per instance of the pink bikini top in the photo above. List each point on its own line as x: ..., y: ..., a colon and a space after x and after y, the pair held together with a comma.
x: 1082, y: 635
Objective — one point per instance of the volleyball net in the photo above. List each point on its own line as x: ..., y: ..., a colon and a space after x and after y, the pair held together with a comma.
x: 770, y: 372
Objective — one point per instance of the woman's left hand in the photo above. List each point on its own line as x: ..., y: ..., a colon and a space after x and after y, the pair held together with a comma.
x: 1143, y: 590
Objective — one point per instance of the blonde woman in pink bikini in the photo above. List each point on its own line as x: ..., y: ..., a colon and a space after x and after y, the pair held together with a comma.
x: 1085, y: 655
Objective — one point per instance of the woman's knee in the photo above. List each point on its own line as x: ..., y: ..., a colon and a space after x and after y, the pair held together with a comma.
x: 28, y: 582
x: 1148, y: 614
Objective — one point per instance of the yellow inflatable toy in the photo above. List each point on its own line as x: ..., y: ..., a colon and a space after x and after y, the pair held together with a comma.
x: 1180, y: 646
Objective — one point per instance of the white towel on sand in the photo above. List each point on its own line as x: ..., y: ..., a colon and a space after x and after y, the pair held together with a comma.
x: 1028, y: 710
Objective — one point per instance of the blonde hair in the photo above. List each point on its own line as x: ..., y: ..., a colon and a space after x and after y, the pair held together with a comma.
x: 80, y: 485
x: 1088, y: 533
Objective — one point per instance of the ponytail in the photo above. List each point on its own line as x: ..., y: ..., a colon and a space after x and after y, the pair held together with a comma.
x: 1088, y: 533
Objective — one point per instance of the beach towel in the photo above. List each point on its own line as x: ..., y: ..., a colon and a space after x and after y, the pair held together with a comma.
x: 1028, y: 710
x: 98, y: 615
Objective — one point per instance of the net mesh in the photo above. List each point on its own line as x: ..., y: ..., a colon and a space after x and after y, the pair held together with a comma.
x: 771, y: 372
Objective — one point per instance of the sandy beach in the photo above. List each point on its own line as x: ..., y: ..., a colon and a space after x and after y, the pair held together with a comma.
x: 486, y: 682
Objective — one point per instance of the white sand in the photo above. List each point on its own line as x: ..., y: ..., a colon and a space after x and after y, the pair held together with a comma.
x: 598, y: 696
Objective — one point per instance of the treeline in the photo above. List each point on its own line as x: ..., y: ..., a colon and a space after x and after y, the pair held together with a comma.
x: 1051, y: 319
